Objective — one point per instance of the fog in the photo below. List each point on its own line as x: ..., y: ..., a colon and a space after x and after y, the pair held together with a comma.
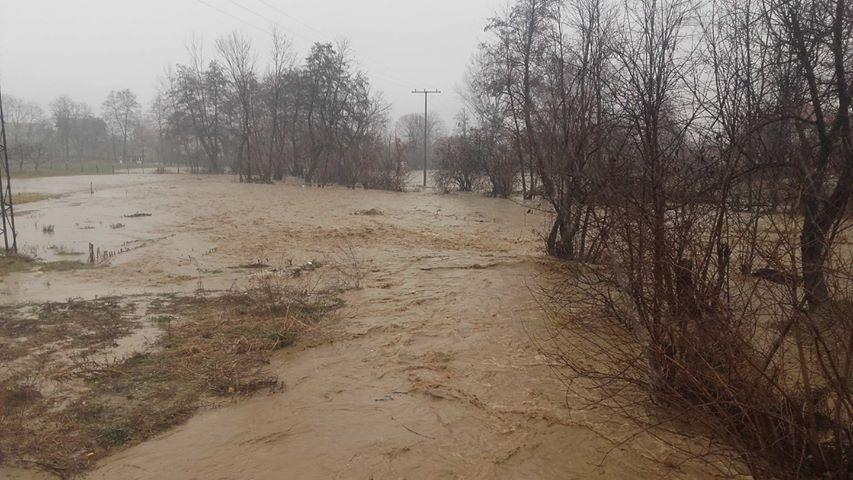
x: 87, y: 48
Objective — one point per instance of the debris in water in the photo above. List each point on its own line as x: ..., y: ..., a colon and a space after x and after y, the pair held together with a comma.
x: 369, y: 213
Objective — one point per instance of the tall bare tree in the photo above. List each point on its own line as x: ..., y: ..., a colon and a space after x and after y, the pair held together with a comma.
x: 121, y: 111
x: 239, y: 61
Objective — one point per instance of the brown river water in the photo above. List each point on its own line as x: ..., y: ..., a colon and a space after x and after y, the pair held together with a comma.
x: 429, y: 373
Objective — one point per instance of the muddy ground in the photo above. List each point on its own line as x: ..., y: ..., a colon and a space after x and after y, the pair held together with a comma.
x: 430, y: 371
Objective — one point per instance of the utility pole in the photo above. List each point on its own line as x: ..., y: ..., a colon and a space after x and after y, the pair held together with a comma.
x: 426, y: 125
x: 7, y: 211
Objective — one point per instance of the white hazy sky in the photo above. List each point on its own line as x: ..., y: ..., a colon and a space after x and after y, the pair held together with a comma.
x: 85, y: 48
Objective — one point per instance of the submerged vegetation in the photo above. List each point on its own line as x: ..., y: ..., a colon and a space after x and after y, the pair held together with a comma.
x: 62, y: 415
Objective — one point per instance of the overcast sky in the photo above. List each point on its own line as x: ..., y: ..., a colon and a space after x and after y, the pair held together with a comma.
x: 85, y: 48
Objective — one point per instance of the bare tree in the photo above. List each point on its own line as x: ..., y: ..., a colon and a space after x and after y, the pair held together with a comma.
x: 121, y: 110
x: 197, y: 95
x: 410, y: 129
x: 28, y: 131
x: 276, y: 82
x: 63, y: 110
x: 815, y: 36
x: 239, y: 60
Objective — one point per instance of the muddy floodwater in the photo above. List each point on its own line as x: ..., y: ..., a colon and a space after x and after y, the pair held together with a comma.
x: 429, y: 372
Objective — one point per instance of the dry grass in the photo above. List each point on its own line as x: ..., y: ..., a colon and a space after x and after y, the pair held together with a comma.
x: 55, y: 327
x: 64, y: 418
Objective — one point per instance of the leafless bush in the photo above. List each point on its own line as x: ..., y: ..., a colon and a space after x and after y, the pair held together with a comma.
x: 460, y: 162
x: 348, y: 267
x: 273, y: 294
x: 388, y: 169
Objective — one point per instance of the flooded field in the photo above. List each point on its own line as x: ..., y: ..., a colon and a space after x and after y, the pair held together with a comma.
x: 429, y: 371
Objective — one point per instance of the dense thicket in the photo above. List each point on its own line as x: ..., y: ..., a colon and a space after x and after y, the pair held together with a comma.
x: 685, y: 147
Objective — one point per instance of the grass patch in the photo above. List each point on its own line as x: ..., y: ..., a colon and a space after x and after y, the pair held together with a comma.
x: 64, y: 252
x: 31, y: 197
x: 210, y: 347
x: 13, y: 263
x: 53, y: 327
x: 62, y: 266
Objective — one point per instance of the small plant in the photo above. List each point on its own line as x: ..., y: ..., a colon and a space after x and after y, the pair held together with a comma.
x: 47, y: 230
x: 347, y: 265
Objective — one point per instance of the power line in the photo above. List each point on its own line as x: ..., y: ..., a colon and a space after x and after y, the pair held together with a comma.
x: 235, y: 17
x: 376, y: 72
x: 264, y: 17
x: 324, y: 36
x: 279, y: 10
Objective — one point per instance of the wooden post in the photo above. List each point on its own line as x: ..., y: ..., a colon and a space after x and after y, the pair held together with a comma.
x: 91, y: 254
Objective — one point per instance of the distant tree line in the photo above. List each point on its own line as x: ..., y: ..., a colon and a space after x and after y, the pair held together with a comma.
x: 69, y: 133
x: 318, y: 119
